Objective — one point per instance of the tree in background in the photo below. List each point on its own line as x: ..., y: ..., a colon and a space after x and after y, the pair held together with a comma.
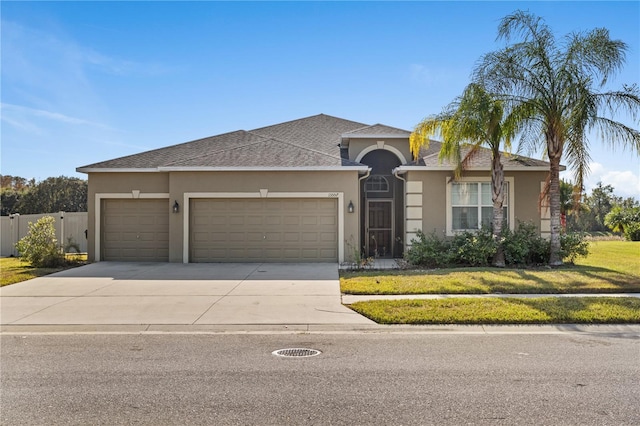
x: 556, y: 88
x: 53, y: 194
x: 596, y: 206
x: 12, y: 190
x: 569, y: 203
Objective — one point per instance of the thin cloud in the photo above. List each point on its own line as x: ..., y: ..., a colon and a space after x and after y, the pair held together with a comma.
x: 428, y: 76
x: 33, y: 112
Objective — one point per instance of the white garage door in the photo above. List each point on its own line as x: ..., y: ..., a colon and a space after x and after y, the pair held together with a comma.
x: 263, y: 230
x: 135, y: 230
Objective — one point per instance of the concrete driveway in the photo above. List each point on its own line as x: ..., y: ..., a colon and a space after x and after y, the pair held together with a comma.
x: 115, y: 293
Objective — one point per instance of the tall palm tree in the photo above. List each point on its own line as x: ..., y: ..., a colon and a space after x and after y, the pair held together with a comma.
x: 473, y: 120
x: 555, y: 89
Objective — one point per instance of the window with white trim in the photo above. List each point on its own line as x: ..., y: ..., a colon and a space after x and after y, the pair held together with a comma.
x: 472, y: 205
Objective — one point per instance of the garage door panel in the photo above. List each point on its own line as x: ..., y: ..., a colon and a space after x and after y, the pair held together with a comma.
x: 327, y: 237
x: 327, y: 220
x: 309, y: 220
x: 135, y: 230
x: 291, y: 237
x: 263, y: 230
x: 328, y: 253
x: 291, y: 220
x: 236, y: 220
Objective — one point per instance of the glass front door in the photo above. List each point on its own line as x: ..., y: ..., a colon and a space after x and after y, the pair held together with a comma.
x: 379, y: 228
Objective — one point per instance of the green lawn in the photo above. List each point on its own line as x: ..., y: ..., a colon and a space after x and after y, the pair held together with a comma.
x: 13, y: 270
x: 538, y: 310
x: 611, y: 267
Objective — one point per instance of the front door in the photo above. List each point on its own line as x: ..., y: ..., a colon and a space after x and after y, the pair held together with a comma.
x: 379, y: 228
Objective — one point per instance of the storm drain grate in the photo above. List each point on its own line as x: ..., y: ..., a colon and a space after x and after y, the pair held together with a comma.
x: 296, y: 352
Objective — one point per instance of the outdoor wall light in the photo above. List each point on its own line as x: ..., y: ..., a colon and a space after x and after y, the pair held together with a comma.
x: 350, y: 207
x: 176, y: 207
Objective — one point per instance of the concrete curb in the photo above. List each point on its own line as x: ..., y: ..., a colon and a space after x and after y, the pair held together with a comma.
x: 619, y: 330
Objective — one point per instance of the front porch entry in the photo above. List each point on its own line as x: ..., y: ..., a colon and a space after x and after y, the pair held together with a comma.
x: 382, y: 218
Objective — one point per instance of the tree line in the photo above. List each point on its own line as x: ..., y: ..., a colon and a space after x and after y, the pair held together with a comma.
x: 599, y: 211
x: 54, y: 194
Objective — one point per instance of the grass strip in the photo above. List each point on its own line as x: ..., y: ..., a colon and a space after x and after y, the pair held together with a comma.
x: 565, y: 280
x: 13, y: 270
x: 539, y: 310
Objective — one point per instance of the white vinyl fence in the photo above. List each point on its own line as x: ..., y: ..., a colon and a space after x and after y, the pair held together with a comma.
x: 68, y: 226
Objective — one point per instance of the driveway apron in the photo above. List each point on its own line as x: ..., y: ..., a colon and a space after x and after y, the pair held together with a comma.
x: 118, y: 293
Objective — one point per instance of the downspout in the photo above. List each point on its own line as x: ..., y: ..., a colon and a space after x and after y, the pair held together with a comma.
x: 397, y: 173
x: 366, y: 175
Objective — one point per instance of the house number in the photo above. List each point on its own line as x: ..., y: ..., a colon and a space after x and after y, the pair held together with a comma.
x: 333, y: 195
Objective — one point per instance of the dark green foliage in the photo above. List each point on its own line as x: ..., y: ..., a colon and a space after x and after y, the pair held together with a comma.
x: 429, y: 250
x: 473, y: 248
x: 522, y: 247
x: 51, y: 195
x: 525, y: 246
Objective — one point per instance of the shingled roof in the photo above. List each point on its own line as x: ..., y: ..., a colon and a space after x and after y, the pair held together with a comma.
x: 377, y: 130
x: 428, y: 158
x: 310, y: 143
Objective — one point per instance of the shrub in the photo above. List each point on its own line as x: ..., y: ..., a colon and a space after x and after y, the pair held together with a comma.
x: 428, y: 250
x: 473, y: 248
x: 573, y: 245
x: 524, y: 246
x: 40, y: 247
x: 632, y: 232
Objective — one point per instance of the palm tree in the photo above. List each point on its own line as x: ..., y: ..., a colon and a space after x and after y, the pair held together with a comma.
x: 473, y: 120
x: 555, y: 89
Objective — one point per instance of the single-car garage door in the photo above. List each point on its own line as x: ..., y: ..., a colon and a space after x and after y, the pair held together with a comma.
x: 264, y: 230
x: 135, y: 230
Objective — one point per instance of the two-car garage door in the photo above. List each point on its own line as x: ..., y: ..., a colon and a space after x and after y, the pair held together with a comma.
x: 224, y: 230
x: 263, y: 230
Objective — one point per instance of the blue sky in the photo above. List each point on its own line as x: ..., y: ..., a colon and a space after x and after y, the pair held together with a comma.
x: 84, y: 82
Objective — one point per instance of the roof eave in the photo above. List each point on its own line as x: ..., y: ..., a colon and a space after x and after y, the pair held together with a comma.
x: 222, y: 169
x: 374, y: 136
x: 116, y: 170
x: 476, y: 169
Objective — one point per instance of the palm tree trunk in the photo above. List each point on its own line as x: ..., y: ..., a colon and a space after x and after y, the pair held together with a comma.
x: 555, y: 258
x: 497, y: 189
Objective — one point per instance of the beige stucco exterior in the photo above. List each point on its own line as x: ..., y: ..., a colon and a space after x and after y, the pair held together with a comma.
x: 427, y: 193
x: 361, y: 146
x: 181, y: 186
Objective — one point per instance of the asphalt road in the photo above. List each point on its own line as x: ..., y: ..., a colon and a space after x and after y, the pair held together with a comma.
x: 359, y: 379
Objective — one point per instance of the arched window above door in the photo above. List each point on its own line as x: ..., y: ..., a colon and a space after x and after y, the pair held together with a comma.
x: 376, y: 183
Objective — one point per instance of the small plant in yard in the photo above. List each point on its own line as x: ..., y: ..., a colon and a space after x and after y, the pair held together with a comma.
x: 40, y: 246
x: 356, y: 260
x: 71, y: 244
x: 572, y: 246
